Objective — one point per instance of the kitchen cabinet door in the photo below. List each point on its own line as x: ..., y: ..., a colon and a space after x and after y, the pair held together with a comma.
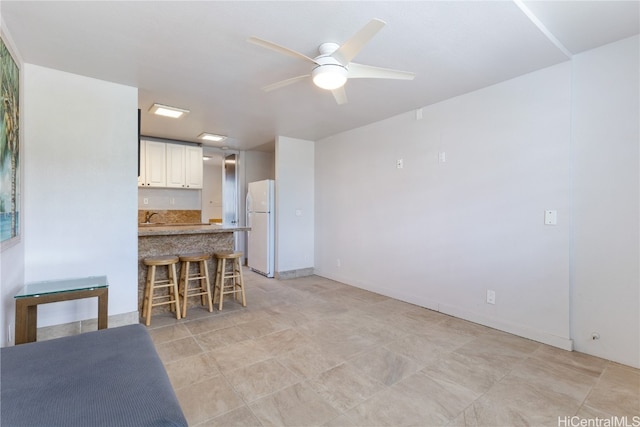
x: 175, y: 166
x: 141, y: 158
x: 155, y: 164
x: 193, y: 167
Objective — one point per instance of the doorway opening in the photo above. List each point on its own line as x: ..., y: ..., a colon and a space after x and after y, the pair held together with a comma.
x: 220, y: 187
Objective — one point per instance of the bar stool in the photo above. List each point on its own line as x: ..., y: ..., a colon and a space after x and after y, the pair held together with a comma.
x: 228, y: 281
x: 171, y: 297
x: 203, y: 290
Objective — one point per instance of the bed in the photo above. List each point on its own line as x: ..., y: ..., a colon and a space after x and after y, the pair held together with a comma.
x: 110, y: 377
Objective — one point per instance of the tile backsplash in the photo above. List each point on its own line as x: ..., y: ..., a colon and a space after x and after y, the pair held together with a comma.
x: 172, y: 216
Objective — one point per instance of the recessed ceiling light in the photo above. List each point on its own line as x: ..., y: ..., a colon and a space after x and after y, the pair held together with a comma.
x: 167, y: 111
x: 211, y: 137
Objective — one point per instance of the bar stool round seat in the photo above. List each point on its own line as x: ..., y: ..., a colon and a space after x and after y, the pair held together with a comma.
x: 150, y: 299
x: 229, y: 280
x: 203, y: 284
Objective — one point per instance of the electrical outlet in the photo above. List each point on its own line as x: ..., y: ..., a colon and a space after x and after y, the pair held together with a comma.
x: 338, y: 263
x: 550, y: 217
x: 491, y: 296
x: 145, y: 201
x: 399, y: 163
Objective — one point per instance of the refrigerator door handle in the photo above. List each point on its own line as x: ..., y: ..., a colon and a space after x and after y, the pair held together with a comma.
x: 248, y: 202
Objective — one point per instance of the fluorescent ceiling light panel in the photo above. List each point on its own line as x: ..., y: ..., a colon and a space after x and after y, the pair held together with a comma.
x: 167, y: 111
x: 211, y: 137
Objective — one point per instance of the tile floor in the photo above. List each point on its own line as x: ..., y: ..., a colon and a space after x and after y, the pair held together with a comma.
x: 314, y: 352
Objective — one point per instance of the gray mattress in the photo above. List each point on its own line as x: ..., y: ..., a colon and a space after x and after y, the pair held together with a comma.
x: 110, y: 377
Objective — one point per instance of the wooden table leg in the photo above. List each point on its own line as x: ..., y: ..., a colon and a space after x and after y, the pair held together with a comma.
x: 21, y: 323
x: 26, y: 321
x: 32, y: 323
x: 103, y: 308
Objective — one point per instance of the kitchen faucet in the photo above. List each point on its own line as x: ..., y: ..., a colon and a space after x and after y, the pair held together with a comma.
x: 148, y: 215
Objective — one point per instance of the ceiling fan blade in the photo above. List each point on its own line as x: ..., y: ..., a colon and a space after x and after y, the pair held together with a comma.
x: 340, y: 95
x: 280, y: 49
x: 351, y: 47
x: 360, y: 71
x: 284, y: 83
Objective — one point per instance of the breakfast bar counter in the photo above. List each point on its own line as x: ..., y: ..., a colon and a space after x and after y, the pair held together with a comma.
x: 180, y: 239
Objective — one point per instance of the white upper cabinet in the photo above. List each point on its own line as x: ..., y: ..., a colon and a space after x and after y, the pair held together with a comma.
x: 175, y: 166
x: 154, y: 164
x: 193, y: 167
x: 170, y: 165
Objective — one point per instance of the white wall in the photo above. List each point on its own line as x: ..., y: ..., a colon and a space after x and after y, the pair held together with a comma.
x: 259, y: 165
x: 606, y: 279
x: 441, y: 234
x: 80, y: 187
x: 294, y: 204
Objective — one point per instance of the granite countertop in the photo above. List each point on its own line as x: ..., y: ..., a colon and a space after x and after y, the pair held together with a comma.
x: 176, y: 229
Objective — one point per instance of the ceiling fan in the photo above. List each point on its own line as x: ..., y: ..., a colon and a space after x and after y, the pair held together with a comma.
x: 333, y: 67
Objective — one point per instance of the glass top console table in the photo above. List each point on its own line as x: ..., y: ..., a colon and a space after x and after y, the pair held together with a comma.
x: 33, y: 294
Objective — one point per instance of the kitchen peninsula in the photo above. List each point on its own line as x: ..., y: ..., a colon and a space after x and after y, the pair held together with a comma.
x: 179, y: 239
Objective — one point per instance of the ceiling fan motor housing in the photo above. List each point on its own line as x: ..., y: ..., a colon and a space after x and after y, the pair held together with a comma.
x: 328, y: 48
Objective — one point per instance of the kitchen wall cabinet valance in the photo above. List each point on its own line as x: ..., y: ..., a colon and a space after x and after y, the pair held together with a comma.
x: 170, y: 165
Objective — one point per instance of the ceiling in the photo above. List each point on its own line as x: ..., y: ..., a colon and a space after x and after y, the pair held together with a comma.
x: 195, y: 55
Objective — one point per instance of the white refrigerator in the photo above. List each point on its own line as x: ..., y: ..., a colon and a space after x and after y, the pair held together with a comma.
x: 261, y: 236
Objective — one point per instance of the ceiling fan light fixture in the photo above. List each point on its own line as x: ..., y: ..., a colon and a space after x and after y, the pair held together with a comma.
x: 329, y: 76
x: 167, y: 111
x: 212, y: 137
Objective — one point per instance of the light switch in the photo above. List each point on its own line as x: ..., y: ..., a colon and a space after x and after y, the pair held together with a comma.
x: 298, y: 212
x: 491, y: 296
x: 550, y: 217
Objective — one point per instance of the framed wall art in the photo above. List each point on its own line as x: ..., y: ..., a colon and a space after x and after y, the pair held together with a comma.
x: 9, y: 147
